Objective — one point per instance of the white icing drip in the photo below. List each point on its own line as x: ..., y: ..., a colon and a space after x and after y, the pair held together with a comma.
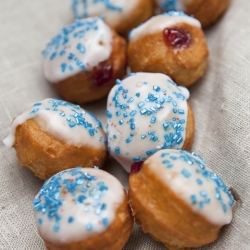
x: 143, y: 124
x: 77, y: 229
x: 159, y: 23
x: 95, y: 39
x: 184, y: 187
x: 113, y: 17
x: 184, y: 91
x: 57, y: 125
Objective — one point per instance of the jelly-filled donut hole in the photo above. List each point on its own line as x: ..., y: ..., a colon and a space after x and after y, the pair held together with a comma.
x: 136, y: 167
x: 102, y: 74
x: 177, y: 37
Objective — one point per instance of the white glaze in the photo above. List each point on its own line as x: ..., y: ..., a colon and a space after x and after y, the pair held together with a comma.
x: 93, y: 35
x: 170, y: 174
x: 83, y: 212
x: 54, y: 123
x: 113, y: 17
x: 161, y: 22
x: 118, y: 133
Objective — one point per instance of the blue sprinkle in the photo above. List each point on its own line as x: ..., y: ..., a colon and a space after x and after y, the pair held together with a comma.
x: 63, y: 67
x: 173, y: 158
x: 143, y: 111
x: 156, y: 88
x: 63, y: 52
x: 40, y: 221
x: 179, y: 140
x: 118, y: 81
x: 141, y: 104
x: 125, y: 114
x: 135, y: 159
x: 186, y: 173
x: 81, y: 198
x: 34, y: 110
x: 118, y: 113
x: 203, y: 193
x: 89, y: 227
x: 114, y: 136
x: 193, y: 199
x: 104, y: 206
x: 53, y: 55
x: 153, y: 119
x: 103, y: 188
x: 121, y: 122
x: 133, y: 112
x: 201, y: 204
x: 199, y: 181
x: 105, y: 222
x: 108, y: 114
x: 166, y: 162
x: 138, y: 94
x: 129, y: 140
x: 130, y: 100
x: 143, y: 136
x: 56, y: 228
x: 117, y: 150
x: 164, y: 154
x: 72, y: 124
x: 132, y: 126
x: 70, y: 219
x: 181, y: 111
x: 71, y: 56
x: 81, y: 48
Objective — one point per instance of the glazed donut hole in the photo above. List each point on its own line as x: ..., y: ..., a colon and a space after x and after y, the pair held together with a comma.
x: 83, y: 208
x: 147, y: 112
x: 173, y: 44
x: 178, y: 200
x: 53, y: 135
x: 83, y: 61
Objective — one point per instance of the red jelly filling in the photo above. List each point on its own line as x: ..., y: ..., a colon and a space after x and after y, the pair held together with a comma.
x: 102, y: 74
x: 136, y: 167
x: 177, y: 37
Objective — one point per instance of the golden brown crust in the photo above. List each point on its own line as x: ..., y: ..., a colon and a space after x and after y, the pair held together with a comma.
x: 141, y: 13
x: 166, y: 217
x: 207, y: 12
x: 189, y: 129
x: 46, y: 155
x: 114, y: 238
x: 80, y: 88
x: 185, y: 65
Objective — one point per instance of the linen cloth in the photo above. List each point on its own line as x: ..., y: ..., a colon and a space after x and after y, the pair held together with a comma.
x: 220, y: 101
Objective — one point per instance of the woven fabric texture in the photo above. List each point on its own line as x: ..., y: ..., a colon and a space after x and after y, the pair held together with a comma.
x: 220, y: 101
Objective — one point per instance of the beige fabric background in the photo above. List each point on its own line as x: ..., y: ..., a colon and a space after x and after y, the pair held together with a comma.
x: 220, y: 101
